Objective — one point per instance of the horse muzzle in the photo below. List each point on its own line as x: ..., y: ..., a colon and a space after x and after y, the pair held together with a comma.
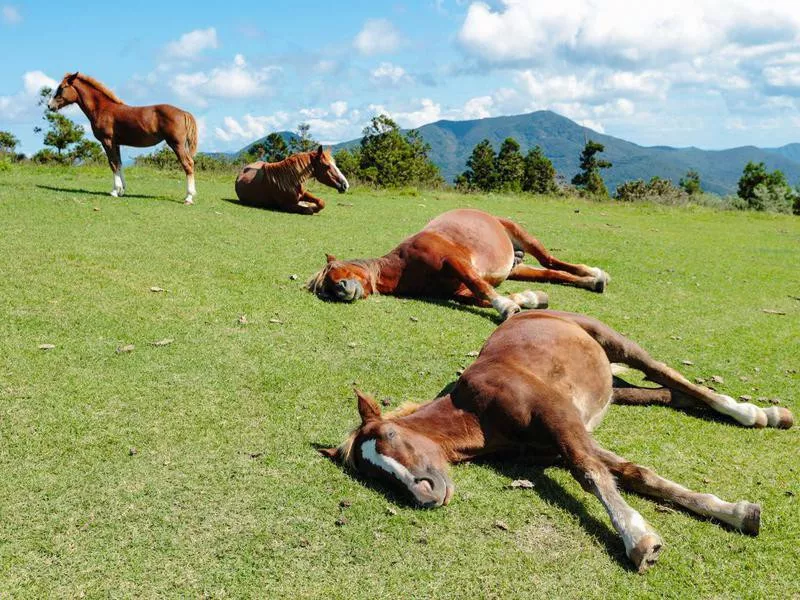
x: 342, y: 186
x: 52, y: 105
x: 348, y: 290
x: 433, y: 489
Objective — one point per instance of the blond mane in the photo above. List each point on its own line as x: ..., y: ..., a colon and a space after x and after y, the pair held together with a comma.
x: 345, y: 449
x: 98, y: 86
x: 289, y: 173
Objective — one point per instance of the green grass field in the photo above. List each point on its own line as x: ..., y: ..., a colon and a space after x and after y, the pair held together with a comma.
x: 190, y: 469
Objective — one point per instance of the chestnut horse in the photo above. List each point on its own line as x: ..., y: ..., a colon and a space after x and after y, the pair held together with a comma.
x: 280, y: 185
x: 543, y: 382
x: 461, y: 254
x: 116, y: 124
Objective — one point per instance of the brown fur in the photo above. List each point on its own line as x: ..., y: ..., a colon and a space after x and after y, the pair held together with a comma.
x: 542, y: 382
x: 461, y: 255
x: 116, y: 124
x: 281, y: 185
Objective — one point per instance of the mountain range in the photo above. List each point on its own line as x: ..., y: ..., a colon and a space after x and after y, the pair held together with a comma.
x: 562, y: 140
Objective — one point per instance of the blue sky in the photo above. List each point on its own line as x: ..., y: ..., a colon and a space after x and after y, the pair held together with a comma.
x: 700, y: 72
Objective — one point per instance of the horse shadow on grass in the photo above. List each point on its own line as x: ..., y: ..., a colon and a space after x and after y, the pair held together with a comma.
x: 53, y: 188
x: 237, y: 202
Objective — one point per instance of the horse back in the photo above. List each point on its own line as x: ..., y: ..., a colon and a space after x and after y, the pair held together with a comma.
x: 481, y: 236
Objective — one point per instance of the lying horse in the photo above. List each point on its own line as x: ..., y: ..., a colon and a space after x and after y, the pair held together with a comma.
x: 116, y: 124
x: 461, y: 254
x: 543, y: 382
x: 280, y: 185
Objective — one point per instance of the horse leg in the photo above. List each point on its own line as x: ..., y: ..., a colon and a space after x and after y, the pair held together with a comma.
x: 187, y: 162
x: 642, y: 543
x: 115, y: 162
x: 619, y: 349
x: 741, y: 515
x: 555, y: 271
x: 312, y: 199
x: 526, y: 299
x: 298, y: 208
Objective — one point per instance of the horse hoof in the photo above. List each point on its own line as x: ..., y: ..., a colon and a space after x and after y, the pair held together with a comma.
x: 510, y: 311
x: 645, y: 553
x: 601, y: 280
x: 779, y: 417
x: 751, y: 517
x: 114, y: 193
x: 188, y: 201
x: 531, y: 299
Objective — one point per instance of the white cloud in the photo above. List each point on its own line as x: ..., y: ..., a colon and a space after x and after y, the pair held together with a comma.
x: 427, y: 112
x: 388, y: 74
x: 23, y: 104
x: 619, y: 31
x: 10, y: 14
x: 191, y: 44
x: 477, y: 108
x: 251, y: 127
x: 235, y: 81
x: 378, y: 36
x: 338, y: 108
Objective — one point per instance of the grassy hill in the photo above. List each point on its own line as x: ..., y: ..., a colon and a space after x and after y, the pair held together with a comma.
x: 189, y: 468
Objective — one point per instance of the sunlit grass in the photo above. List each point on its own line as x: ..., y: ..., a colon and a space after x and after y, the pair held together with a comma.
x: 190, y: 468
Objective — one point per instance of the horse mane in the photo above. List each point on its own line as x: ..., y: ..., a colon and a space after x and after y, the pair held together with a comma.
x: 345, y: 449
x: 371, y: 265
x: 289, y: 173
x: 100, y: 87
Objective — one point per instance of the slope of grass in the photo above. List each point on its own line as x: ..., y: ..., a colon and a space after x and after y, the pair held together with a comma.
x: 190, y: 468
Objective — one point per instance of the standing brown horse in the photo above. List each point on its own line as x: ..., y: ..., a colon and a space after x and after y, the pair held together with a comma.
x: 116, y: 124
x: 280, y: 185
x: 461, y: 254
x: 543, y: 382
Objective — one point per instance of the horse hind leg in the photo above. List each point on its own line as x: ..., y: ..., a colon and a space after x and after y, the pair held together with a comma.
x: 115, y: 162
x: 619, y: 349
x: 187, y: 162
x: 744, y: 516
x: 556, y: 270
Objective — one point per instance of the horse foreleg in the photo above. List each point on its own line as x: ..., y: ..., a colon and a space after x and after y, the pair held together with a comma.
x: 312, y: 199
x: 620, y: 349
x: 584, y: 276
x: 742, y: 515
x: 115, y: 162
x: 565, y: 425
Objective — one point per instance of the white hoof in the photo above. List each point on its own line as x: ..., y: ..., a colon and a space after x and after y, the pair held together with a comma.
x: 121, y: 192
x: 115, y: 193
x: 530, y: 299
x: 505, y: 306
x: 188, y: 201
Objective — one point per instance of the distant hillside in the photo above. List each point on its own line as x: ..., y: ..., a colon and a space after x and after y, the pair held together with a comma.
x: 562, y: 141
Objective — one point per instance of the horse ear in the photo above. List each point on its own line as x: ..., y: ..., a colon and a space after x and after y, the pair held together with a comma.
x: 330, y: 258
x: 320, y: 150
x: 71, y: 77
x: 332, y: 453
x: 367, y: 407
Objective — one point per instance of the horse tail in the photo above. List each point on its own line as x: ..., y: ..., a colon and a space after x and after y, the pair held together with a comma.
x: 191, y: 133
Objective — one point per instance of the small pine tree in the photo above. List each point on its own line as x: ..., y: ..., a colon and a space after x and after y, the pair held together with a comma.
x: 348, y: 162
x: 275, y: 148
x: 480, y: 173
x: 690, y: 183
x: 303, y: 142
x: 762, y: 190
x: 539, y: 175
x: 509, y: 166
x: 589, y: 178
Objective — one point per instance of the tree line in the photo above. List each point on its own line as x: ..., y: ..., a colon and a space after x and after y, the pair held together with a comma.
x: 386, y: 156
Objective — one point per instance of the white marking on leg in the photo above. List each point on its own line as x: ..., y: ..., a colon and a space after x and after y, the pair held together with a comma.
x: 530, y: 299
x: 370, y: 453
x: 505, y: 306
x: 122, y: 180
x: 190, y: 190
x: 745, y: 413
x: 117, y: 184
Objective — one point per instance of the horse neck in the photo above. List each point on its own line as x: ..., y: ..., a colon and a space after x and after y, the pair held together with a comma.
x: 90, y: 100
x: 456, y: 431
x: 302, y: 166
x: 389, y: 269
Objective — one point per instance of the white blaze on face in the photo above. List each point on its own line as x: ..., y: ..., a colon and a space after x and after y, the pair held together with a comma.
x: 369, y: 452
x: 340, y: 175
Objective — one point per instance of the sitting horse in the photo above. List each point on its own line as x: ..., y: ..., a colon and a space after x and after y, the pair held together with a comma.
x: 280, y: 185
x: 461, y: 254
x: 116, y: 124
x: 543, y: 382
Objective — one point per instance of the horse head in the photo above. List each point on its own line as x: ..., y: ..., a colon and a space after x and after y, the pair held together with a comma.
x: 65, y: 94
x: 383, y: 448
x: 343, y: 281
x: 326, y: 171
